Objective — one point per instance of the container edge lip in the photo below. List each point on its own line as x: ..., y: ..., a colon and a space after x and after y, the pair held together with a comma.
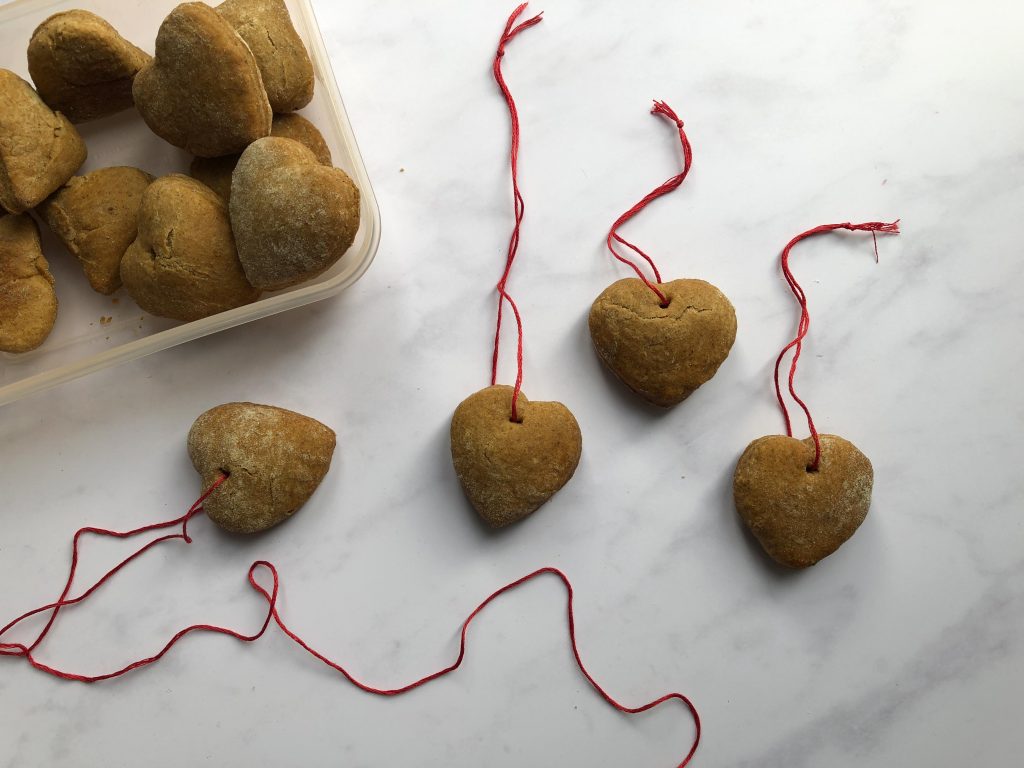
x: 186, y: 332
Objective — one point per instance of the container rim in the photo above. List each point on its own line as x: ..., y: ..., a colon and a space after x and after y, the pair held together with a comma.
x: 269, y: 305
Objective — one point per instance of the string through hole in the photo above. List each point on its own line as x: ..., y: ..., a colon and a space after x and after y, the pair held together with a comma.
x: 805, y: 320
x: 663, y: 109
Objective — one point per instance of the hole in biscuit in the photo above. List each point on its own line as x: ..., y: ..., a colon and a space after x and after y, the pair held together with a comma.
x: 665, y: 303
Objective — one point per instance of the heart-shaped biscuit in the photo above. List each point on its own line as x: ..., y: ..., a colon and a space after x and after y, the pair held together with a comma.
x: 663, y: 353
x: 274, y: 459
x: 82, y: 67
x: 183, y: 264
x: 28, y: 303
x: 508, y: 469
x: 215, y: 172
x: 293, y: 218
x: 96, y: 216
x: 800, y: 516
x: 202, y: 91
x: 39, y: 149
x: 283, y: 60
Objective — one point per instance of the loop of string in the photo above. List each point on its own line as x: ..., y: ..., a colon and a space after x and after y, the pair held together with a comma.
x: 805, y: 321
x: 659, y: 108
x: 511, y: 30
x: 26, y: 651
x: 273, y: 614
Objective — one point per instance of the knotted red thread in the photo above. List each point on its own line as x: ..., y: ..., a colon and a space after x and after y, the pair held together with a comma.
x: 805, y: 321
x: 511, y: 30
x: 660, y: 108
x: 273, y: 614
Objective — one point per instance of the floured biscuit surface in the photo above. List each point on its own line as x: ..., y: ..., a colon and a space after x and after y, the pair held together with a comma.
x: 82, y: 67
x: 293, y: 218
x: 275, y: 459
x: 509, y: 469
x: 96, y: 217
x: 28, y: 303
x: 39, y: 148
x: 663, y: 353
x: 800, y: 516
x: 183, y: 264
x: 215, y: 172
x: 284, y: 63
x: 202, y: 91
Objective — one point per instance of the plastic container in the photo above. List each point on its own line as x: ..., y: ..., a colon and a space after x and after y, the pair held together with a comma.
x: 95, y: 331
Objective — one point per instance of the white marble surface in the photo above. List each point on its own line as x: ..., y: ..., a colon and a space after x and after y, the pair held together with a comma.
x: 904, y: 648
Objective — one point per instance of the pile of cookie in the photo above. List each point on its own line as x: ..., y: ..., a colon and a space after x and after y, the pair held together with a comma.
x: 262, y: 209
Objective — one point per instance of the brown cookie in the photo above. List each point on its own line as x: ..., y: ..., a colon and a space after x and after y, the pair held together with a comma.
x: 82, y: 67
x: 509, y: 469
x: 282, y: 58
x: 663, y: 353
x: 299, y: 129
x: 203, y: 91
x: 28, y: 303
x: 800, y: 516
x: 274, y: 459
x: 183, y: 264
x: 215, y: 172
x: 39, y: 149
x: 96, y: 217
x: 292, y: 217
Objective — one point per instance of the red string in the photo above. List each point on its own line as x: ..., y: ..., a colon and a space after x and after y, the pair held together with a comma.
x: 805, y: 322
x: 26, y: 651
x: 511, y: 30
x: 462, y: 652
x: 660, y: 108
x: 273, y: 614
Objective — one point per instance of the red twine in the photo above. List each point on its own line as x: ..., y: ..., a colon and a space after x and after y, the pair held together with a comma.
x: 273, y: 614
x: 805, y: 322
x: 26, y: 651
x: 511, y: 30
x: 660, y: 108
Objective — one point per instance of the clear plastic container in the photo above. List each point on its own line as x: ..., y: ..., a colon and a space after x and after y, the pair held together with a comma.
x: 95, y: 331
